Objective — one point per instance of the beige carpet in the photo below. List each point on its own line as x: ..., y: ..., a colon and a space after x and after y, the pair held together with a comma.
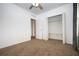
x: 37, y: 47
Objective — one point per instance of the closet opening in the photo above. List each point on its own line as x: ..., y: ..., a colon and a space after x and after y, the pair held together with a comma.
x: 56, y: 28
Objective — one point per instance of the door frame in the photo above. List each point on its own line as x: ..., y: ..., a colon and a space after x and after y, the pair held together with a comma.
x: 34, y: 27
x: 63, y: 27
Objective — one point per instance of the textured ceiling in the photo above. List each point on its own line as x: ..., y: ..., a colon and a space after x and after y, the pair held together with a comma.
x: 46, y: 7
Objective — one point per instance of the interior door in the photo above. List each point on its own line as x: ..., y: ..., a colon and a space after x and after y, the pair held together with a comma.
x: 33, y: 28
x: 75, y: 26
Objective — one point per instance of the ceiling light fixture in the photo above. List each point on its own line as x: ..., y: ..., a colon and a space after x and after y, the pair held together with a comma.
x: 35, y: 4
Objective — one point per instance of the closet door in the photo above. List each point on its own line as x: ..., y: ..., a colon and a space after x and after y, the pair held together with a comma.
x: 75, y: 26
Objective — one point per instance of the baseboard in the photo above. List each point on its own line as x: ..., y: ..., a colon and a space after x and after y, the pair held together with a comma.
x: 41, y: 39
x: 14, y: 43
x: 54, y: 39
x: 69, y: 42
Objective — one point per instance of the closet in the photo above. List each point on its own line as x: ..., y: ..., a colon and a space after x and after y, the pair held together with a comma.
x: 55, y: 27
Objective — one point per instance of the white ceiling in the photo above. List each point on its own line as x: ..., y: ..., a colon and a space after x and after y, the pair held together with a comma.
x: 46, y: 7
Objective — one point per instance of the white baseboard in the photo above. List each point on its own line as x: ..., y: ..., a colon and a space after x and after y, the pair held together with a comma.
x: 8, y: 45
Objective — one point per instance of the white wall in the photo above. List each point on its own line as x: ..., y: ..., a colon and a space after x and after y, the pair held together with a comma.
x: 78, y: 10
x: 15, y: 24
x: 41, y: 28
x: 77, y: 26
x: 68, y: 11
x: 78, y: 19
x: 55, y: 27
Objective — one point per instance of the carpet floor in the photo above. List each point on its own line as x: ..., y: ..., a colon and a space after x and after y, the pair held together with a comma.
x: 37, y: 47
